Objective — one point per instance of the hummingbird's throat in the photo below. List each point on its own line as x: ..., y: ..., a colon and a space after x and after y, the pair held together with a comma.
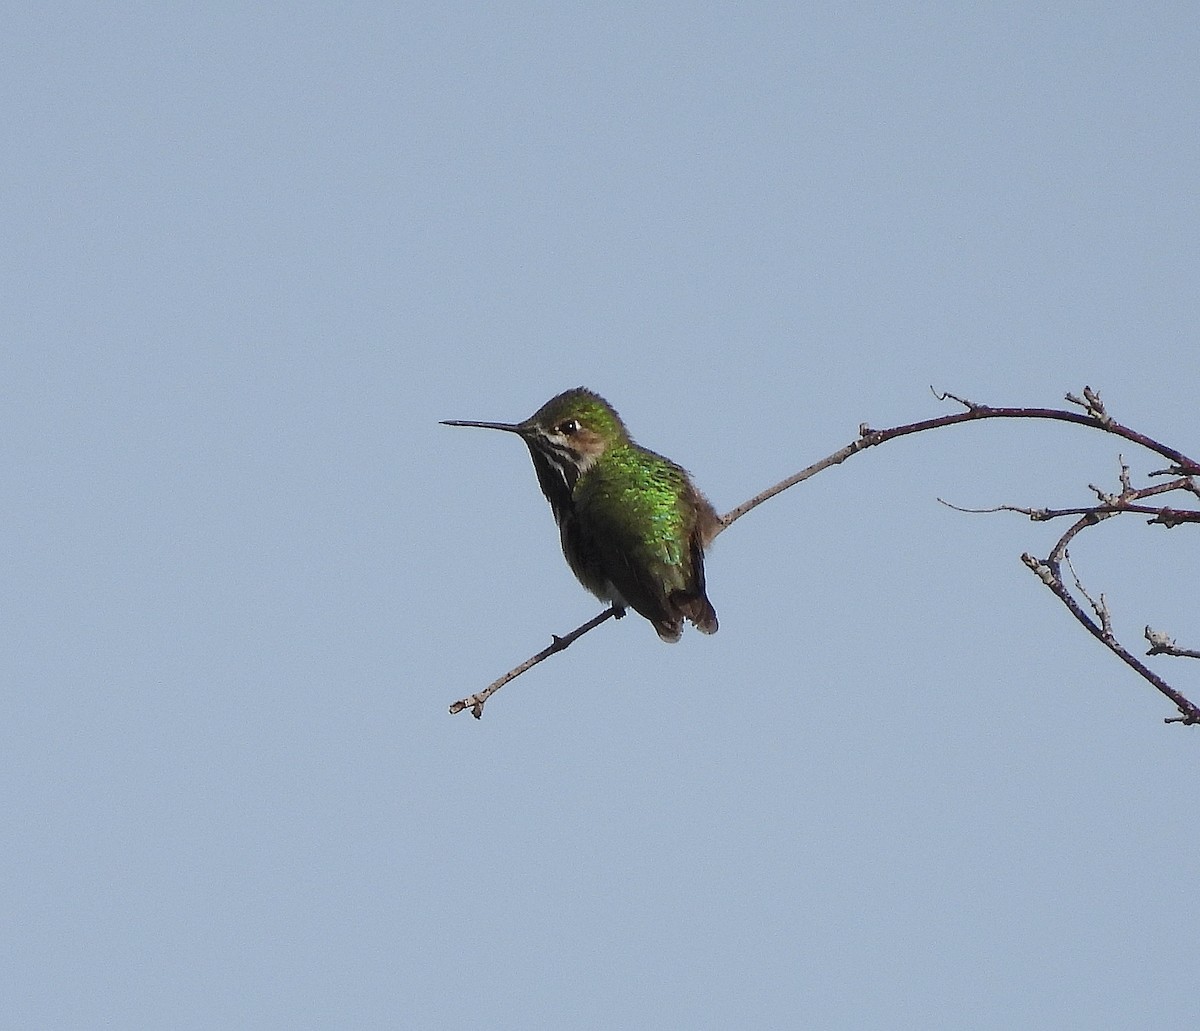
x: 568, y: 463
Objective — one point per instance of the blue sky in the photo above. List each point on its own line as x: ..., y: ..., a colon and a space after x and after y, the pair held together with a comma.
x: 255, y: 254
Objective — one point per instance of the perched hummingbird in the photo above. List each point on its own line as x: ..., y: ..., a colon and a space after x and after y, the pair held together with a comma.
x: 633, y: 525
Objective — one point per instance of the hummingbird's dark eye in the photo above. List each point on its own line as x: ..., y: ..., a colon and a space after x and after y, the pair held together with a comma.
x: 569, y: 428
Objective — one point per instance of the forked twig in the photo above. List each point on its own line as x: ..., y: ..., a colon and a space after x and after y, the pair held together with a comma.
x: 1049, y: 571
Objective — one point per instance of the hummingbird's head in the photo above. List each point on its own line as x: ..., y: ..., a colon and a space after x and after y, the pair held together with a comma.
x: 575, y: 428
x: 565, y: 437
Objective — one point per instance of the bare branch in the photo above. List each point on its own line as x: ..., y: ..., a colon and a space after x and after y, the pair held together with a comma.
x: 1170, y: 517
x: 1096, y: 418
x: 558, y: 644
x: 1162, y: 644
x: 1111, y: 504
x: 836, y: 458
x: 1050, y: 573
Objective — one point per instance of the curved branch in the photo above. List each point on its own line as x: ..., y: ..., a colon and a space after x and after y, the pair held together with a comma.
x: 1095, y: 417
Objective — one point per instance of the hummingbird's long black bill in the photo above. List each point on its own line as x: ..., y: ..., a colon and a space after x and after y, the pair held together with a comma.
x: 508, y: 427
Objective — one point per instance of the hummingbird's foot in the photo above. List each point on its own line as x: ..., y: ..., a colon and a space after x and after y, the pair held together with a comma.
x: 618, y: 611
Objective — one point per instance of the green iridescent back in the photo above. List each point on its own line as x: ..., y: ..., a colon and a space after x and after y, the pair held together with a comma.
x: 638, y: 496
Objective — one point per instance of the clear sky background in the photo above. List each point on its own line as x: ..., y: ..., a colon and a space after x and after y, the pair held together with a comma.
x: 254, y: 253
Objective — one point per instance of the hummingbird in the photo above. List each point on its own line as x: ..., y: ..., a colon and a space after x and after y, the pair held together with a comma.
x: 632, y: 524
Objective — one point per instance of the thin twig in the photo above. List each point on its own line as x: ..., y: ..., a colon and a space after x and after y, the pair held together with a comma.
x: 558, y: 644
x: 1126, y: 501
x: 1100, y: 608
x: 839, y: 456
x: 1162, y: 515
x: 1162, y: 644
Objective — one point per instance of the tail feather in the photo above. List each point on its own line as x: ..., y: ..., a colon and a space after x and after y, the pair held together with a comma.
x: 695, y: 604
x: 669, y: 630
x: 698, y: 610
